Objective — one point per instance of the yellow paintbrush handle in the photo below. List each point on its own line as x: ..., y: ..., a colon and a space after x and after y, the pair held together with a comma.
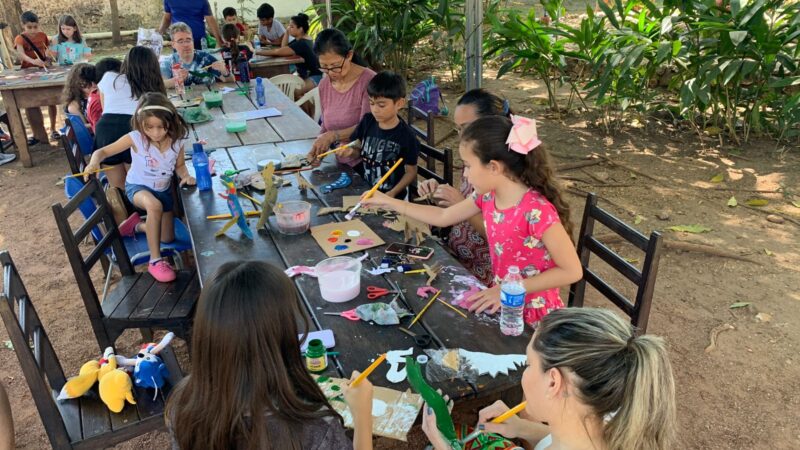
x: 83, y: 174
x: 425, y: 308
x: 383, y: 179
x: 511, y: 412
x: 368, y: 370
x: 228, y: 216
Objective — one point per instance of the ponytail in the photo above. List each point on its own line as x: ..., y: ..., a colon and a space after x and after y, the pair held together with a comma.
x: 617, y: 374
x: 488, y: 135
x: 231, y: 35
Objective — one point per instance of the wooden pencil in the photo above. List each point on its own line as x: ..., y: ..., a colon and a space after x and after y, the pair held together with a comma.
x: 424, y: 308
x: 368, y: 370
x: 453, y: 308
x: 83, y: 174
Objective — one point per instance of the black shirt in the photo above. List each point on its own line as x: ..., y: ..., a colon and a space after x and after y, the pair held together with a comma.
x: 303, y: 49
x: 380, y: 149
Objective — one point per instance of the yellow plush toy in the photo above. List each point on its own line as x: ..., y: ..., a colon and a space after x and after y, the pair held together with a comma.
x: 115, y: 384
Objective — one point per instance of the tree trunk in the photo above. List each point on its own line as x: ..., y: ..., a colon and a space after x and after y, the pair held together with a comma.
x: 116, y: 39
x: 10, y: 10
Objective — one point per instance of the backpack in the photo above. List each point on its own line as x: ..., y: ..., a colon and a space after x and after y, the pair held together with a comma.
x: 426, y: 96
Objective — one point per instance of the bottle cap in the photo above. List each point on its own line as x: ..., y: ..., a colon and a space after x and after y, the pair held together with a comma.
x: 258, y: 80
x: 197, y: 147
x: 422, y: 359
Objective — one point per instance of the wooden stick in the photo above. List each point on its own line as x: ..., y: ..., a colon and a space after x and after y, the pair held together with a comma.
x: 249, y: 198
x: 83, y: 174
x: 425, y: 308
x: 452, y: 307
x: 368, y: 370
x: 228, y: 216
x: 369, y: 193
x: 577, y: 165
x: 411, y: 272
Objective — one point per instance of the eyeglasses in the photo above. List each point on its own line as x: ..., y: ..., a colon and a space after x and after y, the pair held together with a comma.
x: 185, y: 42
x: 334, y: 69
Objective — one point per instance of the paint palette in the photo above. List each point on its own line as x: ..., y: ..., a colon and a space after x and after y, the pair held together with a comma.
x: 341, y: 238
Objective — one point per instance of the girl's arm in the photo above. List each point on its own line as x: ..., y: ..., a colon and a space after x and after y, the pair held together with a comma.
x: 432, y: 215
x: 408, y: 178
x: 182, y: 171
x: 359, y: 400
x: 75, y: 108
x: 568, y: 267
x: 123, y: 143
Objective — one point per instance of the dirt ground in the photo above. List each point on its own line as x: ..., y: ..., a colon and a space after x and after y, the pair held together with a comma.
x: 742, y: 394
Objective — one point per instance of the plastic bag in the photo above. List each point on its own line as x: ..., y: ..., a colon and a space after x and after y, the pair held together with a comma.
x: 148, y: 37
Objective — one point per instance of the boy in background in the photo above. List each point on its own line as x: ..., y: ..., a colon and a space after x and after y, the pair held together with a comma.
x: 32, y: 50
x: 385, y: 137
x: 270, y: 31
x: 230, y: 16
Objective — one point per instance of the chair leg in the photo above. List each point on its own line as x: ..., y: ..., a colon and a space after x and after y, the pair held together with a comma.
x: 147, y: 334
x: 108, y: 283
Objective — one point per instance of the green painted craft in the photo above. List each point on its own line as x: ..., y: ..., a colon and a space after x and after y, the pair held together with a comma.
x: 434, y: 400
x: 323, y: 379
x: 335, y: 387
x: 201, y: 74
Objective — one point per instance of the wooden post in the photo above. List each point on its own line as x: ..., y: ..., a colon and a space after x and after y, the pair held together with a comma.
x: 474, y: 44
x: 5, y: 53
x: 115, y: 37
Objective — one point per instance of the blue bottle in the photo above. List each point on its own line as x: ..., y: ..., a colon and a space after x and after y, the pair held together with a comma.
x: 200, y: 163
x: 261, y: 100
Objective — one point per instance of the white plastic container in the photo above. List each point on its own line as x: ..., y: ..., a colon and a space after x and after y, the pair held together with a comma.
x: 293, y: 216
x: 339, y: 278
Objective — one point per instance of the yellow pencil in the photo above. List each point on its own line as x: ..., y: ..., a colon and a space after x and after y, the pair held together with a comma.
x: 368, y: 370
x: 499, y: 419
x: 385, y: 176
x: 83, y: 174
x: 414, y: 271
x: 425, y: 308
x: 228, y: 216
x: 453, y: 308
x: 250, y: 198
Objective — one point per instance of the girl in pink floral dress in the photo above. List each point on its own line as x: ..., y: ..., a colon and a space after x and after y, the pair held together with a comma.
x: 527, y: 221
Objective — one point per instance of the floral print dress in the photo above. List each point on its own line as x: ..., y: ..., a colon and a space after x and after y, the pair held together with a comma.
x: 515, y: 238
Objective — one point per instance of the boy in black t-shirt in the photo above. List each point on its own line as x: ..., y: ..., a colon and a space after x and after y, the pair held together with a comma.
x: 385, y: 137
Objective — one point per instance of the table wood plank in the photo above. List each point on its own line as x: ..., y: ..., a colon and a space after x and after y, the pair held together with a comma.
x: 294, y: 124
x: 258, y: 131
x: 214, y: 131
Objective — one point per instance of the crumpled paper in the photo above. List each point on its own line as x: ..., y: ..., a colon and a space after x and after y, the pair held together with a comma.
x: 382, y: 313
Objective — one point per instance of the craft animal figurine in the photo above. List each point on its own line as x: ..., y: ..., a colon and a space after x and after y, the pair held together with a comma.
x: 237, y: 214
x: 270, y: 195
x: 115, y: 385
x: 149, y: 370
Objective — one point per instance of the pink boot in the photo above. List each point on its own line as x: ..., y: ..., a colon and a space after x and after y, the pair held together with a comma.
x: 128, y: 227
x: 161, y: 271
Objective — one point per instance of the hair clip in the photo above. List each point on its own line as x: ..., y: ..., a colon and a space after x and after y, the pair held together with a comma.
x: 523, y: 136
x: 506, y: 107
x: 151, y: 107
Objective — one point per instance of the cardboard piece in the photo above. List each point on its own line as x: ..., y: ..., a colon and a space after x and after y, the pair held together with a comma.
x: 393, y: 412
x: 322, y: 233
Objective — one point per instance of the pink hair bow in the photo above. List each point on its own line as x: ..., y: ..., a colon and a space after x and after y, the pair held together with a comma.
x: 523, y: 136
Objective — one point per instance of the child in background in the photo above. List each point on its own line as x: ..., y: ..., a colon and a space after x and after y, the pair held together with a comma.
x: 270, y: 31
x: 246, y: 362
x: 302, y: 45
x: 94, y: 108
x: 156, y: 148
x: 79, y: 86
x: 232, y: 52
x: 68, y: 44
x: 385, y: 137
x: 229, y: 15
x: 527, y: 220
x: 32, y: 51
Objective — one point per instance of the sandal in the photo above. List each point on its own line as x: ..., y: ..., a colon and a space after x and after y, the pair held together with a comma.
x: 32, y: 141
x: 55, y: 135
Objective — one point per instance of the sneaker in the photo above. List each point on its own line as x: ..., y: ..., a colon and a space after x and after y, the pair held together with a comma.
x: 32, y: 141
x: 128, y: 227
x: 161, y: 271
x: 6, y: 158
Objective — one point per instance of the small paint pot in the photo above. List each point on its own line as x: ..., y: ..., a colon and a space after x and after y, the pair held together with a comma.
x: 422, y: 359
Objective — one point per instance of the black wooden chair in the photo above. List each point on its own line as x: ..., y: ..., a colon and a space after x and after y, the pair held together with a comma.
x: 75, y: 158
x: 431, y: 156
x: 83, y: 423
x: 426, y: 134
x: 638, y: 309
x: 137, y: 301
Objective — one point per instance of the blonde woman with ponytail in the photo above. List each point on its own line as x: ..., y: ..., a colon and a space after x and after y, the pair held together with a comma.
x: 596, y: 385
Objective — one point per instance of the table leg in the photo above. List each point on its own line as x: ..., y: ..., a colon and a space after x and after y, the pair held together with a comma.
x: 17, y: 127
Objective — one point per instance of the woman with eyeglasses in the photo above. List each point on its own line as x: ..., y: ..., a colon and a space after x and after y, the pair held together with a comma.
x: 343, y: 94
x: 467, y: 240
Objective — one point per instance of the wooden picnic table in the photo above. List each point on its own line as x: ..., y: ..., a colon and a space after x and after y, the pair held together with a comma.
x: 358, y: 342
x: 269, y: 66
x: 30, y: 88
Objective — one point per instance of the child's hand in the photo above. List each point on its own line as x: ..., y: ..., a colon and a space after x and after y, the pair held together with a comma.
x: 359, y: 398
x: 188, y: 181
x: 378, y: 199
x: 90, y: 169
x: 39, y: 63
x: 487, y: 299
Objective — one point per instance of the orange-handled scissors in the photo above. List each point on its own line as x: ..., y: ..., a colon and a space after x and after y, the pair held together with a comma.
x: 349, y: 315
x: 374, y: 292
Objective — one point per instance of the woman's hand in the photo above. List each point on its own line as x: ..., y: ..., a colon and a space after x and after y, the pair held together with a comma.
x: 446, y: 196
x: 378, y: 200
x: 188, y: 181
x: 430, y: 429
x: 513, y: 426
x: 359, y: 398
x: 321, y: 144
x: 427, y: 187
x: 487, y: 299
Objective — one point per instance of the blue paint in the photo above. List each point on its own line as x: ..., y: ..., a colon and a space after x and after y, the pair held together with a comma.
x: 340, y: 248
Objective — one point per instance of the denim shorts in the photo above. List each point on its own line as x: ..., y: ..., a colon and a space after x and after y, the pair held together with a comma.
x: 165, y: 196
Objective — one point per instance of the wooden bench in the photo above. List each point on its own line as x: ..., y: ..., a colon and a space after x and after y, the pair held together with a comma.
x: 137, y: 301
x: 82, y: 423
x: 644, y: 280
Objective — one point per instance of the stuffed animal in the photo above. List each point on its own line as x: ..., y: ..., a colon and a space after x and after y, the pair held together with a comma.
x: 149, y: 371
x: 115, y: 385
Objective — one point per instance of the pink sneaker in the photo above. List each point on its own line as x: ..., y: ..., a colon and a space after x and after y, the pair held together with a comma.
x: 161, y: 271
x: 128, y: 227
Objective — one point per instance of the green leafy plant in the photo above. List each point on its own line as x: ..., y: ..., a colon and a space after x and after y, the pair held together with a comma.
x: 448, y: 35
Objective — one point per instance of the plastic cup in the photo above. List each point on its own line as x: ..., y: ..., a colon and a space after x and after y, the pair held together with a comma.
x: 339, y: 278
x: 293, y: 216
x: 234, y: 123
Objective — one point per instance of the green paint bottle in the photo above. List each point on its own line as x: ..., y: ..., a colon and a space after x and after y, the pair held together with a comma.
x: 316, y: 356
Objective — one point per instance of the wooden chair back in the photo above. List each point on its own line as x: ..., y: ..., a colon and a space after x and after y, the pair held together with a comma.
x: 637, y: 309
x: 73, y: 151
x: 431, y: 156
x: 109, y: 239
x: 426, y: 134
x: 36, y: 356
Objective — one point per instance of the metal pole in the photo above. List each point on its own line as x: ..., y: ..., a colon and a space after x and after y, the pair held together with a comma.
x: 474, y: 44
x: 329, y: 18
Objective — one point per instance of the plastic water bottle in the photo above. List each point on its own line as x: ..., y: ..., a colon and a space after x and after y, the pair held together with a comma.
x: 512, y: 299
x: 203, y: 44
x: 256, y: 43
x: 200, y: 163
x: 179, y: 82
x: 261, y: 99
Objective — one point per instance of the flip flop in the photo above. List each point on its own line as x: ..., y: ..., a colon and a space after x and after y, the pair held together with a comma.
x: 33, y: 141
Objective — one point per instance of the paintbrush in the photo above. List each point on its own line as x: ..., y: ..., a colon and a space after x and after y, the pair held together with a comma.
x: 228, y: 216
x: 368, y: 370
x: 499, y: 419
x: 342, y: 147
x: 424, y: 308
x: 385, y: 176
x: 83, y: 174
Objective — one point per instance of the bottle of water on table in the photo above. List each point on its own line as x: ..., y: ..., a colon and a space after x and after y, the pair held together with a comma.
x: 261, y: 99
x: 201, y: 171
x: 256, y: 43
x: 512, y: 303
